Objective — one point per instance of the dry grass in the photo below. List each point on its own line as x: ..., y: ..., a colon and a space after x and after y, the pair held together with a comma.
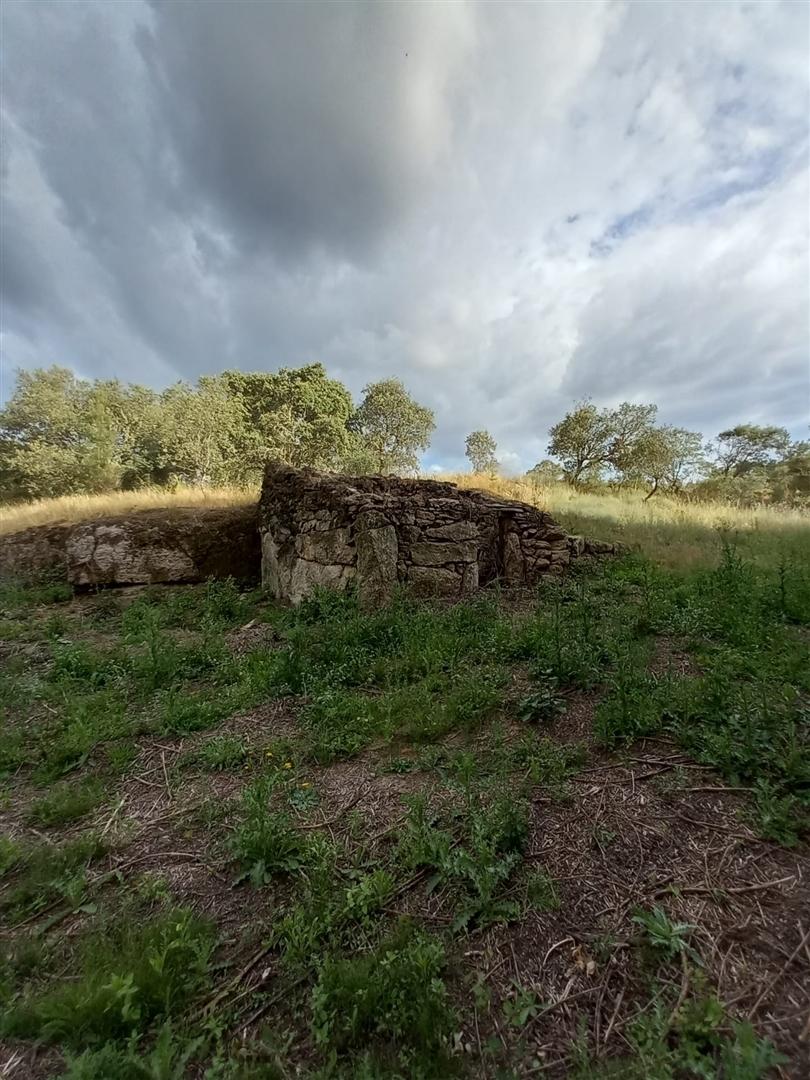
x: 675, y: 533
x: 86, y: 507
x: 678, y: 534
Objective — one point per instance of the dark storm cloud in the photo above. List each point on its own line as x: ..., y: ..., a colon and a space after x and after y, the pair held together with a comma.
x: 305, y: 125
x: 508, y: 206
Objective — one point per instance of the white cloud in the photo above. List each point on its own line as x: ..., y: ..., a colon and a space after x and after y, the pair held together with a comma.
x: 536, y: 203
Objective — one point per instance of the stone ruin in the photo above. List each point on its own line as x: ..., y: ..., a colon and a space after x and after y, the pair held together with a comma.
x: 310, y: 529
x: 181, y: 545
x: 321, y: 529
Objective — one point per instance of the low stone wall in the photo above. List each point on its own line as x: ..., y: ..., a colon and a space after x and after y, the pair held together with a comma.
x: 321, y: 529
x: 149, y: 547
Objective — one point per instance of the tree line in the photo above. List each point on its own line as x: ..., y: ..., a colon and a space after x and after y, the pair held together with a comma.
x: 60, y: 434
x: 63, y: 435
x: 625, y: 446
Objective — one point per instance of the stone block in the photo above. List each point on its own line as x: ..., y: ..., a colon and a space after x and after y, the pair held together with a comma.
x: 377, y: 552
x: 331, y: 546
x: 435, y: 581
x: 437, y: 553
x: 454, y: 530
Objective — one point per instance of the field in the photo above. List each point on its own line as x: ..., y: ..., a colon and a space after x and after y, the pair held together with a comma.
x: 675, y: 533
x: 556, y: 833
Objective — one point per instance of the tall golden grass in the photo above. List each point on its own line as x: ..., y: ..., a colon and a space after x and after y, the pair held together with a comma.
x: 86, y: 507
x: 673, y: 532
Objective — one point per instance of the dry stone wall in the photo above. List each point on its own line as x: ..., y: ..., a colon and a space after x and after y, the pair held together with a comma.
x: 147, y: 547
x: 378, y: 532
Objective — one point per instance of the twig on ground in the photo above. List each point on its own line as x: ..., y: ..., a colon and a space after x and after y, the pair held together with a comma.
x: 779, y: 975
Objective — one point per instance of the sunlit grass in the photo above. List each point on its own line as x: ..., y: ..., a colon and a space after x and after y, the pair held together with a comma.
x: 86, y: 507
x: 674, y: 532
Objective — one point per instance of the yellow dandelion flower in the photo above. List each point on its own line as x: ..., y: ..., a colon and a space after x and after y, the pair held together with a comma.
x: 287, y: 764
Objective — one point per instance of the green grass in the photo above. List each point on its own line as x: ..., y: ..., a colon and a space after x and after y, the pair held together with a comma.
x: 465, y: 703
x: 392, y: 995
x: 67, y: 802
x: 220, y: 752
x: 50, y: 874
x: 126, y: 977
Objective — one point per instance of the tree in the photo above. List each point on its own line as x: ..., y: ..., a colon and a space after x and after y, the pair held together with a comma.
x: 665, y: 457
x: 202, y: 432
x: 393, y: 426
x: 588, y: 439
x: 545, y: 472
x: 628, y: 425
x: 59, y: 435
x: 295, y: 415
x: 480, y: 449
x: 745, y: 446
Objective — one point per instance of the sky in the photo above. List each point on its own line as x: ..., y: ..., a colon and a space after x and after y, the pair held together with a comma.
x: 509, y: 206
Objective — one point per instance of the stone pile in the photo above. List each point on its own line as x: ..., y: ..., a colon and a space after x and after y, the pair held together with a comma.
x: 319, y: 529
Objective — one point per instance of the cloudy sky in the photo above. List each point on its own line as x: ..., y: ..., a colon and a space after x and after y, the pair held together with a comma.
x: 511, y: 206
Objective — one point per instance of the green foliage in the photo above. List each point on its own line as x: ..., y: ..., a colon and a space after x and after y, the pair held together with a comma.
x: 295, y: 415
x: 128, y: 976
x: 217, y: 753
x: 543, y: 704
x: 421, y: 658
x: 693, y: 1043
x: 664, y: 457
x: 48, y: 874
x: 67, y: 802
x: 481, y: 449
x: 392, y: 426
x: 588, y: 439
x: 11, y: 852
x: 745, y: 446
x: 62, y: 435
x: 541, y: 892
x: 664, y: 936
x: 168, y: 1059
x: 392, y: 995
x: 521, y: 1006
x: 544, y: 473
x: 481, y: 867
x: 265, y: 841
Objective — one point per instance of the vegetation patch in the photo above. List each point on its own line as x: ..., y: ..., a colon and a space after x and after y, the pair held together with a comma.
x: 494, y: 837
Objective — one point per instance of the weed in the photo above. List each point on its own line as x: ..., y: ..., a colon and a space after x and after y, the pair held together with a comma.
x: 400, y: 765
x: 368, y: 896
x: 392, y: 995
x: 780, y: 817
x: 11, y: 853
x: 541, y: 892
x: 152, y: 889
x: 128, y: 975
x: 544, y: 704
x: 693, y: 1043
x: 50, y: 873
x: 67, y: 802
x: 265, y: 841
x: 21, y: 598
x: 217, y: 753
x: 664, y: 936
x: 480, y: 868
x: 520, y: 1006
x: 120, y: 755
